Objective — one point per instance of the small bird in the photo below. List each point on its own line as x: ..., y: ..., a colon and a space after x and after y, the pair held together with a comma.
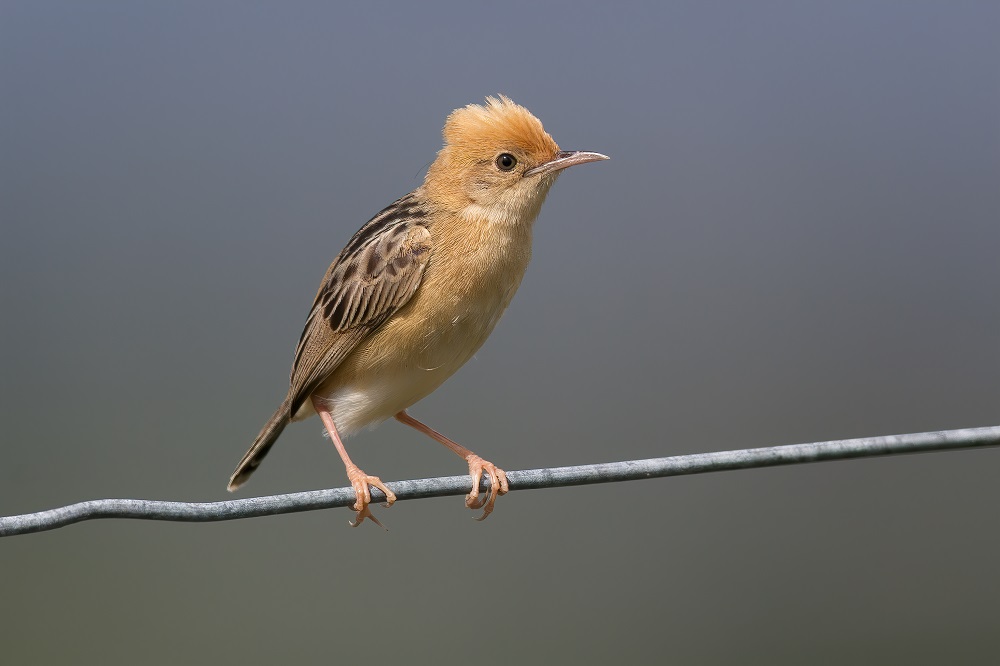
x: 419, y: 288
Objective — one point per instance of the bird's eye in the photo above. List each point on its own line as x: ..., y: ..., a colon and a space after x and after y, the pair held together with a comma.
x: 506, y: 161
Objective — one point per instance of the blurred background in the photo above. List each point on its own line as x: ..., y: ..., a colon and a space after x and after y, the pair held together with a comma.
x: 796, y: 240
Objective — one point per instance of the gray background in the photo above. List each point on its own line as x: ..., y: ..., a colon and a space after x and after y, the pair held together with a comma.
x: 796, y: 240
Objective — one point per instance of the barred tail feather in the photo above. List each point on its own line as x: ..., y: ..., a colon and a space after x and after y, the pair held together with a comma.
x: 265, y: 440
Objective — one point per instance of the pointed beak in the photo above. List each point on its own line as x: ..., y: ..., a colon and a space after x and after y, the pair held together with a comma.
x: 563, y: 159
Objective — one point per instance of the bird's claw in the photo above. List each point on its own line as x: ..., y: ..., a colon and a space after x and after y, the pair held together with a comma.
x: 366, y: 513
x: 498, y: 485
x: 362, y: 483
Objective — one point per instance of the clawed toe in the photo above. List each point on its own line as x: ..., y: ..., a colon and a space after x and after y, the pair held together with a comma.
x: 362, y: 483
x: 362, y: 515
x: 474, y: 503
x: 498, y: 478
x: 498, y: 485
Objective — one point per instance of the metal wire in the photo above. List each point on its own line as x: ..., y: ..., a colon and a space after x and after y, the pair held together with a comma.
x: 629, y: 470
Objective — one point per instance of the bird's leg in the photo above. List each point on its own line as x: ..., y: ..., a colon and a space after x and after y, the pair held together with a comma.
x: 498, y: 478
x: 359, y: 480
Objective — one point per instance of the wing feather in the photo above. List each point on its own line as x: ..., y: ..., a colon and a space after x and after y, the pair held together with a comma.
x: 374, y: 276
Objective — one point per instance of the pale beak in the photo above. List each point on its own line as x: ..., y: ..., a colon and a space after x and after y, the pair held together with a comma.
x: 565, y: 158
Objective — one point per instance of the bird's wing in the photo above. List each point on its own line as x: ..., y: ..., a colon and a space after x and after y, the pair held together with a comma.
x: 372, y: 278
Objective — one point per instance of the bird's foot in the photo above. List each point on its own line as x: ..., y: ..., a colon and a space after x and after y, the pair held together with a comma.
x: 362, y: 483
x: 498, y: 485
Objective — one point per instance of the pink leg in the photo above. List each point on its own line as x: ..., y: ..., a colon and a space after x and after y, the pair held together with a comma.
x: 359, y: 480
x: 498, y: 478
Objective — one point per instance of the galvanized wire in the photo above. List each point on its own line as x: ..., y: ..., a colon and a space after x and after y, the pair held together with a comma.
x: 629, y: 470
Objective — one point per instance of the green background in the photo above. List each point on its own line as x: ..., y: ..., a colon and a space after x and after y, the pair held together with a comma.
x: 796, y: 240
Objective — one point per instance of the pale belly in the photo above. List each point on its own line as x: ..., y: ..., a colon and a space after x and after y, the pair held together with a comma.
x: 405, y: 361
x: 466, y: 288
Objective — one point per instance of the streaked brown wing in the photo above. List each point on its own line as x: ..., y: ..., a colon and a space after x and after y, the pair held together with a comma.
x: 374, y: 276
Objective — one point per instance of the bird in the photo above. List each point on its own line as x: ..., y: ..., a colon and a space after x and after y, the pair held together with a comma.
x: 417, y: 290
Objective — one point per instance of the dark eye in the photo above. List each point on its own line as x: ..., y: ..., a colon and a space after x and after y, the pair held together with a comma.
x: 506, y: 161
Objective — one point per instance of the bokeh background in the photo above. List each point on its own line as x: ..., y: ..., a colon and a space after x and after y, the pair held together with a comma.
x: 796, y: 240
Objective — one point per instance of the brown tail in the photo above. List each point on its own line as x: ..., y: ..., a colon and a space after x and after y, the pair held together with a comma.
x: 265, y: 440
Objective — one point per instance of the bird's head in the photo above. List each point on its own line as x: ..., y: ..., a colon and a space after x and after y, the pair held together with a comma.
x: 499, y: 160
